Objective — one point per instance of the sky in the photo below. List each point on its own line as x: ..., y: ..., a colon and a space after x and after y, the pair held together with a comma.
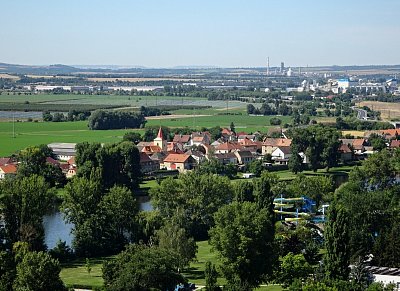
x: 224, y: 33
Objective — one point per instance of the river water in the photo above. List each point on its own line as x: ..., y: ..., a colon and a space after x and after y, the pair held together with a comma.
x: 56, y: 228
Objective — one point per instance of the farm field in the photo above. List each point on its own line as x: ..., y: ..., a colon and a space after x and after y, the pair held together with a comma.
x: 389, y: 110
x: 242, y: 122
x: 35, y: 133
x: 65, y: 100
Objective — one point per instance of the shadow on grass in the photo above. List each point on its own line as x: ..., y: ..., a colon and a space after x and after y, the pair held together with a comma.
x: 194, y: 273
x: 80, y: 262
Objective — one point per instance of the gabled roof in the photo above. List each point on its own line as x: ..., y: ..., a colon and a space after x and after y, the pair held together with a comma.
x: 52, y: 161
x: 198, y: 138
x: 228, y: 146
x: 277, y: 142
x: 284, y: 149
x: 176, y: 158
x: 8, y: 169
x: 151, y: 149
x: 158, y: 156
x: 344, y: 148
x: 5, y: 161
x: 227, y: 131
x: 247, y: 142
x: 225, y: 156
x: 181, y: 138
x: 144, y: 157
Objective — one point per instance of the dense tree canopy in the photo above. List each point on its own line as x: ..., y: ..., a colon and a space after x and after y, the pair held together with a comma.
x: 243, y: 236
x: 23, y: 202
x: 192, y: 199
x: 141, y: 267
x: 101, y: 119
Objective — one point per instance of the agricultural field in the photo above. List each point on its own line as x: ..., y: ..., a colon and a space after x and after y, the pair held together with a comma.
x: 62, y: 102
x: 389, y: 110
x: 35, y: 133
x: 242, y: 122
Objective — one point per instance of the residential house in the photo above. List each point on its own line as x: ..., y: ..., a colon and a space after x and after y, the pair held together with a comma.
x: 71, y: 172
x: 183, y: 139
x: 248, y: 144
x: 148, y: 165
x: 7, y: 170
x: 269, y: 145
x: 244, y: 157
x: 228, y: 158
x: 281, y: 155
x: 228, y: 135
x: 346, y: 154
x: 198, y: 156
x: 200, y: 138
x: 227, y: 147
x: 180, y: 162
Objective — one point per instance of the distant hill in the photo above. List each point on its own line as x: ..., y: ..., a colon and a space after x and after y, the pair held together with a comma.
x: 37, y: 70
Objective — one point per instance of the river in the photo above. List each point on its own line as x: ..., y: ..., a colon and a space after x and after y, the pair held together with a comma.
x: 56, y: 228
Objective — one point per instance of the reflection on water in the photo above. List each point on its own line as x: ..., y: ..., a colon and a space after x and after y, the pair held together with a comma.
x: 56, y: 228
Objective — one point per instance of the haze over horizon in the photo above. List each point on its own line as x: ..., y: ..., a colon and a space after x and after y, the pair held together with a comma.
x: 222, y: 33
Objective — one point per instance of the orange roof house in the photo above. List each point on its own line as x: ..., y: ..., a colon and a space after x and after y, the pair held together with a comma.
x: 7, y: 170
x: 180, y: 162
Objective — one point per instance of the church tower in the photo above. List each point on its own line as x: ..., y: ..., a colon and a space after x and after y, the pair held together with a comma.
x: 160, y: 141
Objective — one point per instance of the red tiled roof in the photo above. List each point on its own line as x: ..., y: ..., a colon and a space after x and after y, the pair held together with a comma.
x: 344, y: 148
x: 176, y: 158
x: 181, y: 138
x: 227, y: 146
x: 277, y: 142
x: 151, y: 149
x: 9, y: 169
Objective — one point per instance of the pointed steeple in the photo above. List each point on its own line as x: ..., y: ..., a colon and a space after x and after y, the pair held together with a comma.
x: 160, y: 134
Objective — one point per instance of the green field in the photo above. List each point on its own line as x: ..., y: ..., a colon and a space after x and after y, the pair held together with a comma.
x: 35, y: 133
x: 242, y: 122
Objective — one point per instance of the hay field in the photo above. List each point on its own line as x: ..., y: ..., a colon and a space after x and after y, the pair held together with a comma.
x: 355, y: 133
x: 7, y: 76
x: 389, y: 110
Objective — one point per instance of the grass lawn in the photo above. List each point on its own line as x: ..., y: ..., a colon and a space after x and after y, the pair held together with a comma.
x: 75, y: 273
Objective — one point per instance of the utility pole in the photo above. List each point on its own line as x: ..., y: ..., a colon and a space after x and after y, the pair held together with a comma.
x: 13, y: 124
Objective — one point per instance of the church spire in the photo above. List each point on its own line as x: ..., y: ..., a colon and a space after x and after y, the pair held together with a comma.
x: 160, y: 134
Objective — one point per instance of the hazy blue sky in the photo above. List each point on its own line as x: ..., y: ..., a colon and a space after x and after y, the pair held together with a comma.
x: 230, y: 33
